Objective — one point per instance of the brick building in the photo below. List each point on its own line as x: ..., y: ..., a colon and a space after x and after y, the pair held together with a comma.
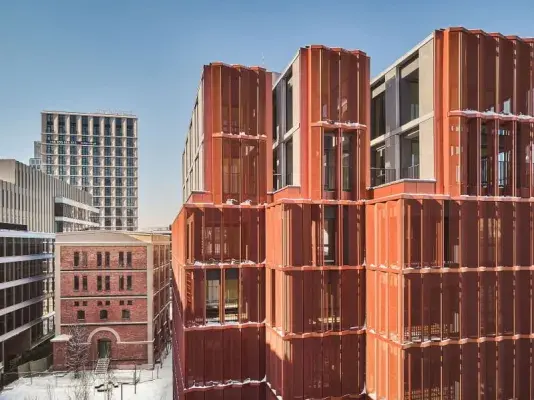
x: 117, y: 286
x: 389, y: 255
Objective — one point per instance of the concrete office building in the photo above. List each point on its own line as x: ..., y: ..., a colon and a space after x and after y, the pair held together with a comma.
x: 98, y: 153
x: 33, y: 206
x: 117, y: 285
x: 35, y: 161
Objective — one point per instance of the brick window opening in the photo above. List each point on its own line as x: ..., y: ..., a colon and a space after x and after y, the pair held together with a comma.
x: 84, y: 259
x: 76, y: 258
x: 125, y: 314
x: 121, y: 282
x: 99, y: 283
x: 129, y: 282
x: 107, y: 303
x: 99, y: 259
x: 80, y: 315
x: 99, y: 303
x: 129, y: 259
x: 84, y: 303
x: 108, y: 283
x: 121, y: 302
x: 84, y: 283
x: 107, y: 258
x: 103, y: 314
x: 76, y: 283
x: 130, y: 302
x: 76, y: 303
x: 121, y: 258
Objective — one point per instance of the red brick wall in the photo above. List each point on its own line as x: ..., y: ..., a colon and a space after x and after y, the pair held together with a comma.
x: 138, y: 310
x: 59, y: 349
x: 139, y: 256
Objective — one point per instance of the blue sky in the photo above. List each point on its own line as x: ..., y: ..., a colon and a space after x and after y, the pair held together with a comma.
x: 146, y: 56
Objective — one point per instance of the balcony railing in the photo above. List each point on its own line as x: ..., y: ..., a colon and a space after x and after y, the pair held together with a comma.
x: 411, y: 172
x: 503, y: 170
x: 381, y: 176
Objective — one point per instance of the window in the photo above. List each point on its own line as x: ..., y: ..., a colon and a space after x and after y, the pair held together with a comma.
x: 289, y: 162
x: 99, y: 283
x: 121, y: 302
x: 329, y: 235
x: 231, y: 294
x: 130, y: 302
x: 329, y: 162
x: 84, y: 283
x: 118, y: 181
x: 289, y: 101
x: 125, y: 314
x: 76, y: 283
x: 108, y: 284
x: 121, y: 282
x: 84, y: 259
x: 129, y: 258
x: 129, y: 282
x: 213, y: 283
x: 347, y: 162
x: 99, y: 303
x: 118, y: 142
x: 107, y: 259
x: 84, y: 303
x: 73, y: 170
x: 80, y: 314
x: 99, y: 259
x: 103, y: 314
x: 76, y: 303
x: 96, y: 126
x: 121, y: 258
x: 108, y: 302
x: 76, y: 258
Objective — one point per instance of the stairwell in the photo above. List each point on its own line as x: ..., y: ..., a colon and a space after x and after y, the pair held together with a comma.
x: 102, y: 366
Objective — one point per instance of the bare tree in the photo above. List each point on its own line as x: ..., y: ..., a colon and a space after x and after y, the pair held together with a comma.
x: 81, y: 387
x: 77, y: 349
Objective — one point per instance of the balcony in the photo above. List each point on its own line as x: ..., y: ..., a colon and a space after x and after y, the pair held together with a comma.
x: 410, y: 172
x: 381, y: 176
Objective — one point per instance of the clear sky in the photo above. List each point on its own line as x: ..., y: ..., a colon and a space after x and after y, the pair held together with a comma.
x: 146, y: 56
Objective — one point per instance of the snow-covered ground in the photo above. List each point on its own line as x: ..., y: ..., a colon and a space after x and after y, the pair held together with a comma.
x: 150, y: 386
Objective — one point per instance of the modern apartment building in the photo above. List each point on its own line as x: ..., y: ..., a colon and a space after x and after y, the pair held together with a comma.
x: 33, y: 206
x: 389, y: 255
x: 219, y: 237
x: 116, y: 285
x: 449, y: 221
x: 97, y: 153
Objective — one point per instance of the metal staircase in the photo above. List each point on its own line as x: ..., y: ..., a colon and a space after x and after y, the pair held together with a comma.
x: 102, y: 366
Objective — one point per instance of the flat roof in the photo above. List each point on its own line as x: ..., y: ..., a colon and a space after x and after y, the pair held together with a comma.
x: 98, y: 113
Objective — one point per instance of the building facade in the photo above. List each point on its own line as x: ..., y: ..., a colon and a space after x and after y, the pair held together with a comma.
x: 97, y: 153
x: 218, y: 237
x: 449, y: 221
x: 390, y: 255
x: 33, y: 206
x: 116, y: 286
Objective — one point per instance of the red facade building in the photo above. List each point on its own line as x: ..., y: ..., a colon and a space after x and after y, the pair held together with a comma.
x: 116, y: 286
x: 364, y: 238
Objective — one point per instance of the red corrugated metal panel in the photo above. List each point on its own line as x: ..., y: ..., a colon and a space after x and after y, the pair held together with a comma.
x: 394, y: 307
x: 469, y: 305
x: 469, y: 234
x: 352, y: 299
x: 232, y: 393
x: 370, y: 234
x: 488, y: 303
x: 523, y: 303
x: 432, y: 373
x: 412, y: 233
x: 250, y: 353
x: 312, y: 301
x: 312, y: 368
x: 296, y: 286
x: 431, y: 304
x: 505, y: 377
x: 332, y: 366
x: 394, y: 234
x: 252, y: 294
x: 469, y: 371
x: 432, y: 239
x: 232, y: 355
x: 451, y: 306
x: 523, y: 369
x: 413, y: 303
x: 371, y: 344
x: 413, y: 374
x: 451, y: 372
x: 523, y: 234
x: 196, y: 395
x: 353, y: 364
x: 488, y: 369
x: 394, y: 364
x: 194, y: 358
x: 505, y: 310
x: 213, y: 356
x: 488, y: 238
